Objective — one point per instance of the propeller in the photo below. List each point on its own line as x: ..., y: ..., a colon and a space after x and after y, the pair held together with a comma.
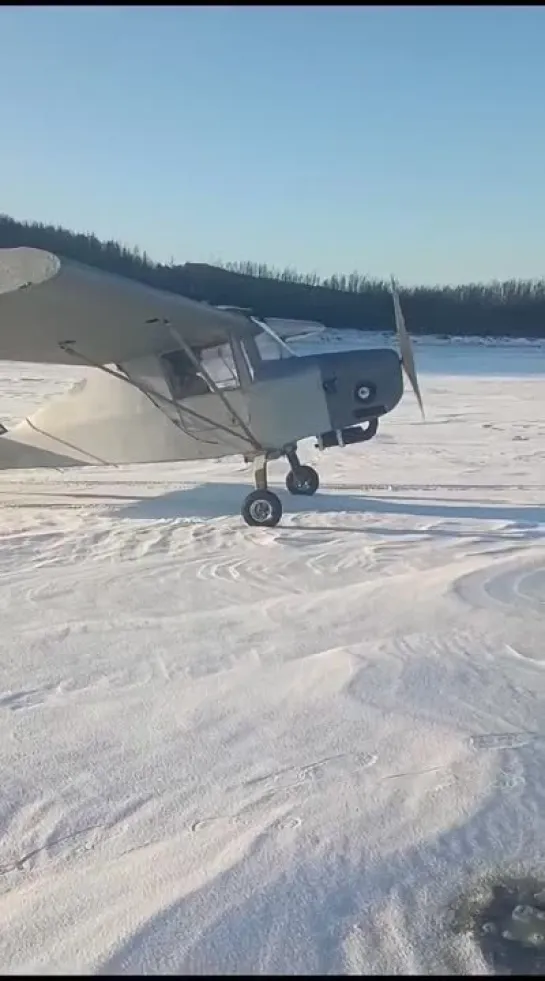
x: 405, y: 347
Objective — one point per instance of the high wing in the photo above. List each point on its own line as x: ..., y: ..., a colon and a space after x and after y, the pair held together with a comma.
x: 47, y: 302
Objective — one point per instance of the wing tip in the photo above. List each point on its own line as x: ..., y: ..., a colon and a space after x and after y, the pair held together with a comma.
x: 23, y: 266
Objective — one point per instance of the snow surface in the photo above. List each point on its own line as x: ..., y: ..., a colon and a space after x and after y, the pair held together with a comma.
x: 235, y: 750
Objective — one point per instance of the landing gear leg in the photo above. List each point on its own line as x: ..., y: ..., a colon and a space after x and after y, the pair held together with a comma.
x: 301, y: 480
x: 261, y: 507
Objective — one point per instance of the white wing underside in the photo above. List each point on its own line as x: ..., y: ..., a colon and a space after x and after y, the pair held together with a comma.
x: 47, y: 301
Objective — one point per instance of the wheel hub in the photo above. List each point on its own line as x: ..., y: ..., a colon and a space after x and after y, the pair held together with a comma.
x: 261, y: 511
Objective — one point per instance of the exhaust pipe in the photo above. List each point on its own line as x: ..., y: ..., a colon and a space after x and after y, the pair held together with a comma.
x: 347, y: 437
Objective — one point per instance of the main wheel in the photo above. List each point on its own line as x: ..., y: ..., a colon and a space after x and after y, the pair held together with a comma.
x: 304, y: 481
x: 262, y: 508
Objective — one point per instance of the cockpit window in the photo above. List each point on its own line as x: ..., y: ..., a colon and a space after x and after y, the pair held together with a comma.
x: 187, y: 381
x: 182, y: 375
x: 220, y: 365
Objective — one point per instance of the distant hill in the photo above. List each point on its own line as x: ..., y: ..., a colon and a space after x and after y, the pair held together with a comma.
x: 510, y: 309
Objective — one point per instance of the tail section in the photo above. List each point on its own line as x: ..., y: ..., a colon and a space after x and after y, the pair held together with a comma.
x: 26, y: 448
x: 100, y: 421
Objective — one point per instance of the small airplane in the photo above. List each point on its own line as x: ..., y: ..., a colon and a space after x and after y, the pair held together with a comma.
x: 178, y: 379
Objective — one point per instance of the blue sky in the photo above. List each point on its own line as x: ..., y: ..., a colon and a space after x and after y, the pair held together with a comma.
x: 387, y: 139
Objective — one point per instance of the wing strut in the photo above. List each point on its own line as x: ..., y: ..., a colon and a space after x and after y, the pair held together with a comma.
x: 262, y: 324
x: 272, y: 333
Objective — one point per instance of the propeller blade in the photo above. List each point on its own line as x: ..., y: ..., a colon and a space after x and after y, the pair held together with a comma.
x: 405, y: 347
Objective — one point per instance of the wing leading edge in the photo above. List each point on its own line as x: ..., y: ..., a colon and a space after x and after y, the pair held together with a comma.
x: 47, y: 301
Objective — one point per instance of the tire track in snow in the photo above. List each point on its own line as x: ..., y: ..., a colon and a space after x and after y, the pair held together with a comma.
x: 55, y: 830
x: 518, y: 586
x: 289, y: 781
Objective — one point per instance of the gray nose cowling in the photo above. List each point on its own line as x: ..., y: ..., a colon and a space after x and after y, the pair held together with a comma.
x: 322, y: 395
x: 360, y: 385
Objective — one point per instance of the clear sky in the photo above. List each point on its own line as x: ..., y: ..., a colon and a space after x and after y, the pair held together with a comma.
x: 409, y: 140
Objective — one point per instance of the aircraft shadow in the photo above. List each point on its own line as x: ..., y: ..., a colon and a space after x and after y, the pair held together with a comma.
x: 215, y: 500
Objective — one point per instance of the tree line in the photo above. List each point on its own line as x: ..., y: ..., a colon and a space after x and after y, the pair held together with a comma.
x: 515, y: 308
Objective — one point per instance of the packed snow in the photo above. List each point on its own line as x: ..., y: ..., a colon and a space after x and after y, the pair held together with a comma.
x: 285, y: 750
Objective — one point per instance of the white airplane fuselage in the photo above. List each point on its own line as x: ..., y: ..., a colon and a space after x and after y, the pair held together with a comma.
x: 108, y: 419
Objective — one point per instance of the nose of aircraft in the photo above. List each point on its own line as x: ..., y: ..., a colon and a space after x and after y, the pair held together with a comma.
x: 360, y: 384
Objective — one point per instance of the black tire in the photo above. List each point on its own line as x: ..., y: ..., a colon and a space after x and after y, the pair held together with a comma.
x: 304, y: 481
x: 262, y: 509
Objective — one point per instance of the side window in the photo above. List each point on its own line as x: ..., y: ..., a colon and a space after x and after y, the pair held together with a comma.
x: 220, y: 366
x: 186, y: 380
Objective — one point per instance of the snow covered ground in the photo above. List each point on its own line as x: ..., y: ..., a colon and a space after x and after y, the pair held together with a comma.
x: 235, y: 750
